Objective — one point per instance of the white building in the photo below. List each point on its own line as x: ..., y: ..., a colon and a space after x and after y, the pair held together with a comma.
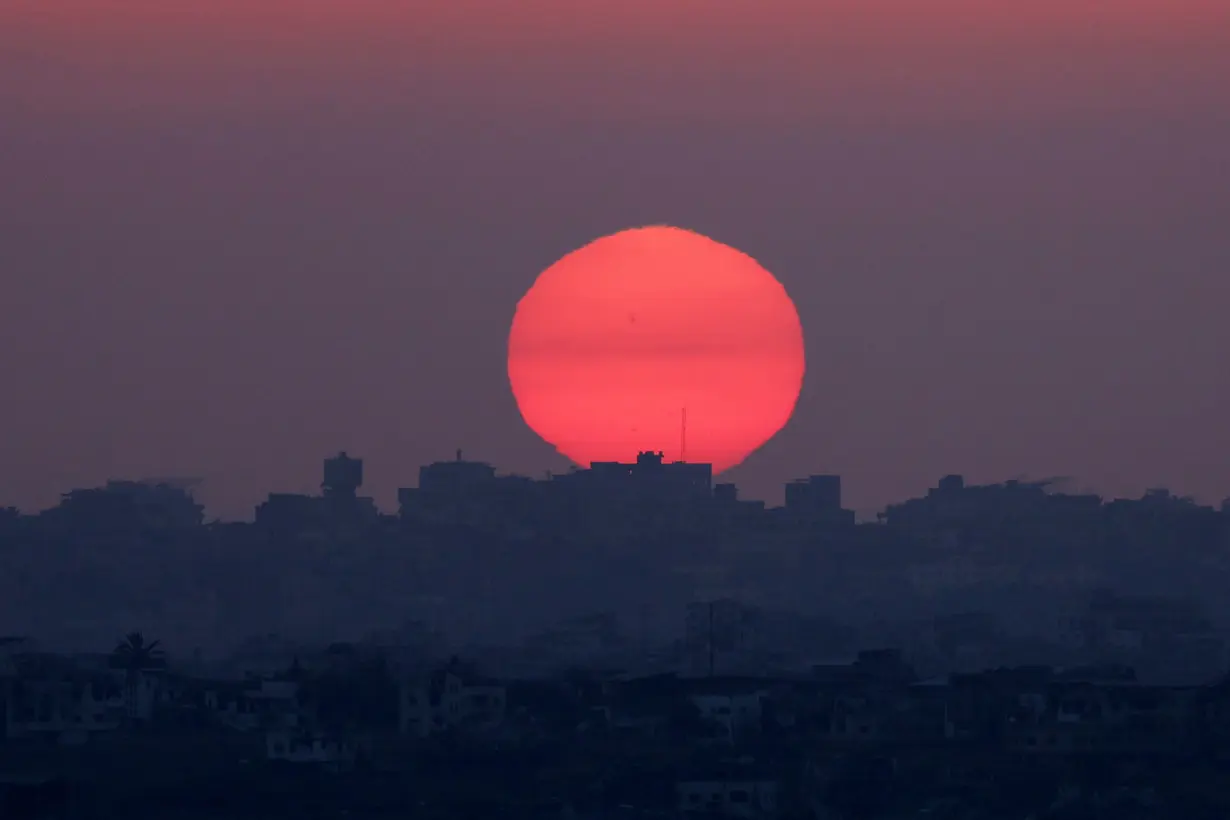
x: 741, y: 797
x: 453, y: 697
x: 71, y: 696
x: 253, y: 705
x: 293, y: 746
x: 66, y: 706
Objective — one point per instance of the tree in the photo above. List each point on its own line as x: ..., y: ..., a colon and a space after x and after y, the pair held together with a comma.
x: 134, y: 656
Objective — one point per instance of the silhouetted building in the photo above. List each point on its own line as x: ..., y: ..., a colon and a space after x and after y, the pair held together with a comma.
x: 1112, y: 622
x: 338, y: 506
x: 649, y: 477
x: 952, y: 510
x: 470, y: 494
x: 285, y: 512
x: 129, y: 506
x: 343, y: 476
x: 455, y: 478
x: 951, y: 483
x: 817, y: 493
x: 817, y: 501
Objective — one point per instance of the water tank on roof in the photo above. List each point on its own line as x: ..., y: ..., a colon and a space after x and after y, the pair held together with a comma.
x: 343, y: 475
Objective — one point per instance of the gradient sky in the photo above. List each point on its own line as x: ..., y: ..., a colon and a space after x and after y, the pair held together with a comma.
x: 236, y: 236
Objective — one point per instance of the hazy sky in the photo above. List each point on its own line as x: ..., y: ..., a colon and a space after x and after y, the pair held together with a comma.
x: 239, y: 235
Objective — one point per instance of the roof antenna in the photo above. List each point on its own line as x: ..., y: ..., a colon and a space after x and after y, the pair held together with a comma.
x: 683, y: 435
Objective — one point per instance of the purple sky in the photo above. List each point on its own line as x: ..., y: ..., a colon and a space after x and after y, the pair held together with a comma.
x: 228, y: 250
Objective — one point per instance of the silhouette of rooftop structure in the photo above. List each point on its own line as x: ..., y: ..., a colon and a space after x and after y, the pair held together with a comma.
x: 339, y: 504
x: 343, y: 475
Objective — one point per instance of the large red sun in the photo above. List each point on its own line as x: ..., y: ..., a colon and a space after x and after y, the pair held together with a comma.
x: 615, y: 343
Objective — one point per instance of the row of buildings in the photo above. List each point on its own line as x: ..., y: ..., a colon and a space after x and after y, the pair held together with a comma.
x: 447, y: 490
x: 738, y: 746
x: 465, y: 491
x: 74, y: 696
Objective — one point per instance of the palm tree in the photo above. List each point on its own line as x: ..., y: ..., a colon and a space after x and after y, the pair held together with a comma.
x: 134, y: 655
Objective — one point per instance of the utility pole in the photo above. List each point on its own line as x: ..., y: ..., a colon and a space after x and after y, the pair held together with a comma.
x: 644, y: 630
x: 683, y: 435
x: 710, y: 638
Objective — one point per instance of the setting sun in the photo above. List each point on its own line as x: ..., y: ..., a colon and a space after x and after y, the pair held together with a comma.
x: 618, y: 342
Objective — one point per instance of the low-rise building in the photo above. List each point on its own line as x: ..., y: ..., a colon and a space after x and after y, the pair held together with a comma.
x: 307, y: 747
x: 48, y: 696
x: 728, y: 794
x: 254, y: 704
x: 453, y: 697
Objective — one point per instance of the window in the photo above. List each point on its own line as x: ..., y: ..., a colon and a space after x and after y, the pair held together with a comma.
x: 740, y: 796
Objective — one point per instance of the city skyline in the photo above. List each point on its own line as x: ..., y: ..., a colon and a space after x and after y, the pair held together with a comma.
x: 577, y: 410
x: 720, y: 487
x: 239, y: 235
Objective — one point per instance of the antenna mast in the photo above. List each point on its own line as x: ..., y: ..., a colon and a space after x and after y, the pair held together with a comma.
x: 683, y: 434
